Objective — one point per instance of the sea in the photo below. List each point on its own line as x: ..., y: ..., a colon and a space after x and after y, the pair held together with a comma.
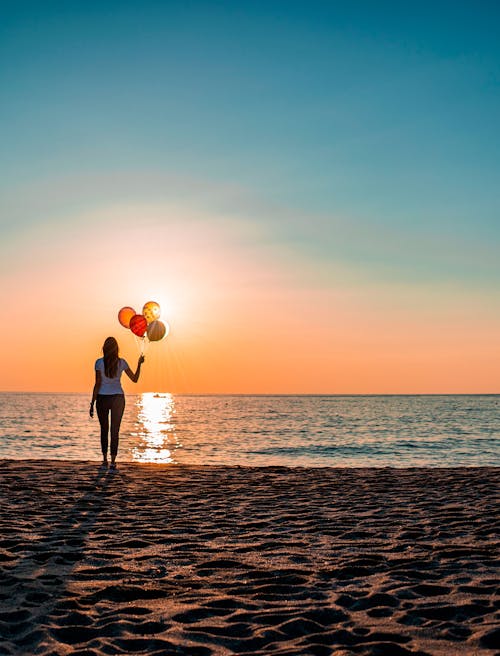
x: 297, y: 431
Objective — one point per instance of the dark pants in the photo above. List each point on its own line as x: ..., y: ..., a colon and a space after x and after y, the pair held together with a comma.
x: 114, y: 404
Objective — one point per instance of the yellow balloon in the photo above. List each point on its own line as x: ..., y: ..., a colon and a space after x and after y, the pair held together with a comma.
x: 151, y: 311
x: 157, y: 330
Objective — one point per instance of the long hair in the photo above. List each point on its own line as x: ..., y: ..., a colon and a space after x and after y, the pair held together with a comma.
x: 111, y: 358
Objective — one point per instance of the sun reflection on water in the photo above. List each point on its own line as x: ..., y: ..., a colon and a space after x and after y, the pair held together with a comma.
x: 155, y: 429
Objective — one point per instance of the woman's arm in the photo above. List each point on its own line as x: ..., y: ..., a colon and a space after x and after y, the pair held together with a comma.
x: 95, y: 391
x: 134, y: 377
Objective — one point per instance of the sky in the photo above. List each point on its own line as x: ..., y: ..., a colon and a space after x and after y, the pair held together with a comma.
x: 309, y: 189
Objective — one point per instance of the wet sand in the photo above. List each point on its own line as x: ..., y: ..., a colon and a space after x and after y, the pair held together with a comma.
x: 231, y: 560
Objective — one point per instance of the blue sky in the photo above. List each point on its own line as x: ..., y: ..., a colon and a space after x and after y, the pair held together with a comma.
x: 364, y: 133
x: 311, y: 190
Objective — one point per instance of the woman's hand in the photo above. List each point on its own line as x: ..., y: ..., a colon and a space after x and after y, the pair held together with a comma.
x: 91, y: 410
x: 141, y: 360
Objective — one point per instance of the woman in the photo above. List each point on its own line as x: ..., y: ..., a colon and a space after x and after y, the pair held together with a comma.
x: 109, y: 395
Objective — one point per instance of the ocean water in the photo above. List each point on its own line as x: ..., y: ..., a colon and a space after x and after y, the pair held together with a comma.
x: 313, y: 431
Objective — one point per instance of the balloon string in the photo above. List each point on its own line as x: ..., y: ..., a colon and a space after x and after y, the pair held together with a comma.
x: 142, y: 344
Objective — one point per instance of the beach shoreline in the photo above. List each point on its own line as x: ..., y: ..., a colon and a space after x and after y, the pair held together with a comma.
x: 200, y: 560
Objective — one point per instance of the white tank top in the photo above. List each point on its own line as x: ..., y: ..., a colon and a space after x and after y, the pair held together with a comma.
x: 111, y: 385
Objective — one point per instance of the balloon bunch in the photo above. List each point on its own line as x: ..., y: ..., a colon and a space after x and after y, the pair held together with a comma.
x: 144, y: 325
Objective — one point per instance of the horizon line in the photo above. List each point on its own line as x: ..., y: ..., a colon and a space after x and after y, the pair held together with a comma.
x: 283, y: 394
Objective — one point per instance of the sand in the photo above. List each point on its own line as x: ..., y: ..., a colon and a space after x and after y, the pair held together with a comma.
x: 231, y: 560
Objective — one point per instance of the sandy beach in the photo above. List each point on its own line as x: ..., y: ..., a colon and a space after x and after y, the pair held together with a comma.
x: 234, y: 560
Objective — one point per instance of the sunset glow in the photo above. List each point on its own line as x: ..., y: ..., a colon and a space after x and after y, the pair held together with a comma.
x: 156, y: 433
x: 298, y: 238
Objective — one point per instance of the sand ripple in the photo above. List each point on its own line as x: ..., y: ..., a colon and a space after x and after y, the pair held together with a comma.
x: 227, y: 560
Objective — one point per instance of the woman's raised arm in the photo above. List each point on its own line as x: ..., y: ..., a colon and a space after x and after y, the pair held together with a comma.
x: 134, y: 377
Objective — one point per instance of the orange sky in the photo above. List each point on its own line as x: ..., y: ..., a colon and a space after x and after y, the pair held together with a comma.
x: 245, y: 317
x: 309, y: 190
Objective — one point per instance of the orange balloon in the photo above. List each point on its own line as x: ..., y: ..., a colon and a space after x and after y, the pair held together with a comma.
x: 151, y: 311
x: 157, y: 330
x: 124, y: 316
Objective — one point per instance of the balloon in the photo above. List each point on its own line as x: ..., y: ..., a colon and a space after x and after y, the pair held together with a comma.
x: 157, y: 330
x: 138, y: 325
x: 151, y: 311
x: 124, y: 316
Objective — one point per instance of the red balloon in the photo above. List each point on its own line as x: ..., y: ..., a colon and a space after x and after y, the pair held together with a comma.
x: 138, y: 325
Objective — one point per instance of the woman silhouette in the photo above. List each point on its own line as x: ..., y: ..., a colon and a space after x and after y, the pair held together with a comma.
x: 109, y: 395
